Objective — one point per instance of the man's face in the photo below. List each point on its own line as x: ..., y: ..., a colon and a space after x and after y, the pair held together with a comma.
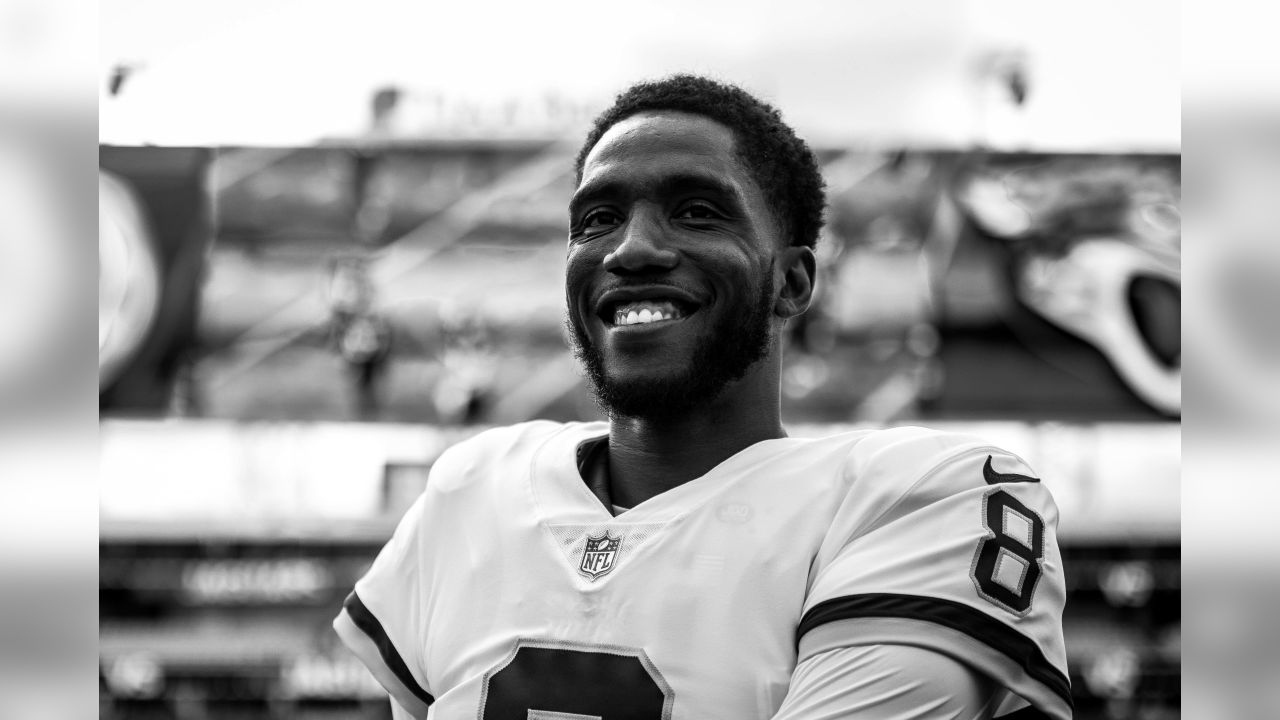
x: 669, y: 278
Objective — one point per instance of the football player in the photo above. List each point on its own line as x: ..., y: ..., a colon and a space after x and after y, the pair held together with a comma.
x: 687, y: 560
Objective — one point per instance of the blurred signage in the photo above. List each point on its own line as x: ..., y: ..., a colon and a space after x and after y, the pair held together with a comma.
x: 178, y: 473
x: 418, y: 114
x: 218, y: 582
x: 325, y: 677
x: 1111, y: 480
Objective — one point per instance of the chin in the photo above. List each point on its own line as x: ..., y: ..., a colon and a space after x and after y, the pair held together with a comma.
x: 650, y: 395
x: 650, y: 365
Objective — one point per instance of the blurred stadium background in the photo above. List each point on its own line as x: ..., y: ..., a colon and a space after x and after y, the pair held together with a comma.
x: 331, y: 245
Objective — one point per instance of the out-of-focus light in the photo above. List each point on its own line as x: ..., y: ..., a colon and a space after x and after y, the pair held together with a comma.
x: 135, y: 676
x: 1127, y: 584
x: 1114, y: 674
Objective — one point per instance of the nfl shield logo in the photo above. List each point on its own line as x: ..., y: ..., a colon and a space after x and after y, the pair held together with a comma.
x: 599, y: 555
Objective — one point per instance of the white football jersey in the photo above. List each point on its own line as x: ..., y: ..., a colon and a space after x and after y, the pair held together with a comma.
x: 510, y: 592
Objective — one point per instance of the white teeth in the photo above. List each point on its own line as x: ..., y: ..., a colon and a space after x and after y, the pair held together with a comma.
x: 645, y: 311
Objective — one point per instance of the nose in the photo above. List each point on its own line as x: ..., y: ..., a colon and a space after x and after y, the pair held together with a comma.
x: 642, y: 247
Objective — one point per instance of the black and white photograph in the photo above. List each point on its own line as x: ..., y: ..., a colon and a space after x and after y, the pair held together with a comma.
x: 676, y: 360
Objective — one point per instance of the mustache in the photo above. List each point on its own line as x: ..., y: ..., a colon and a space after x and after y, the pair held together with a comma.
x: 585, y: 275
x: 638, y: 282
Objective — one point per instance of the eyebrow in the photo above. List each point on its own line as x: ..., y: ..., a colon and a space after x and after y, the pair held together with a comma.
x: 681, y: 183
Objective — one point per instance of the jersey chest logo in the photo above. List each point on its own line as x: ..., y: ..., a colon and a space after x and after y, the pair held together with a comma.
x: 599, y: 555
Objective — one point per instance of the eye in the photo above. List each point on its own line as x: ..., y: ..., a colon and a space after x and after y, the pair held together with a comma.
x: 698, y: 211
x: 600, y: 218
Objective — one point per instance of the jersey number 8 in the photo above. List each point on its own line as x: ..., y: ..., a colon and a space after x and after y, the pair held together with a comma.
x: 1007, y: 565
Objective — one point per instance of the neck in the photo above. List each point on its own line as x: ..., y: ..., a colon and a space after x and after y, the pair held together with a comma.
x: 648, y: 456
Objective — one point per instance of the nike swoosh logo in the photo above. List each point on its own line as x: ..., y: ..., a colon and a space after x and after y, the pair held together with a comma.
x: 993, y: 478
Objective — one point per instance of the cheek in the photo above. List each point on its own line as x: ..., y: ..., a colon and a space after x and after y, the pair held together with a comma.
x: 734, y: 273
x: 577, y: 272
x: 580, y: 270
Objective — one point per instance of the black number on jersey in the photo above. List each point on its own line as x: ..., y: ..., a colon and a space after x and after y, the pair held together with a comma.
x: 1007, y: 565
x: 557, y: 680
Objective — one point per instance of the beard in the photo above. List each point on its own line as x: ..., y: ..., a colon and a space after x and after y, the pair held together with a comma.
x: 719, y: 358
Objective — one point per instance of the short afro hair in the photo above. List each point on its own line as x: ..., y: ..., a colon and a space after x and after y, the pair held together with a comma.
x: 782, y: 164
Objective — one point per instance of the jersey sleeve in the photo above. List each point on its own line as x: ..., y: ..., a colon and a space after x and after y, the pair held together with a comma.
x: 380, y: 622
x: 949, y: 544
x: 886, y: 682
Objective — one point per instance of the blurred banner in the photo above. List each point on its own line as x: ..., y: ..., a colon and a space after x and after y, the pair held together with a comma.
x: 423, y: 282
x: 154, y: 234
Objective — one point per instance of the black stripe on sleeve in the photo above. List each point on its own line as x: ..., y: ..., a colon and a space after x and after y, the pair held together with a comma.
x: 1029, y: 712
x: 370, y: 626
x: 948, y: 613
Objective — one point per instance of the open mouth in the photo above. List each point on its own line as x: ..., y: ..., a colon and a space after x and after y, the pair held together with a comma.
x: 650, y: 312
x: 646, y: 312
x: 642, y: 308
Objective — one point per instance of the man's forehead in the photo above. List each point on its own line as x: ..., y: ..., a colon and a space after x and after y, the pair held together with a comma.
x: 664, y: 133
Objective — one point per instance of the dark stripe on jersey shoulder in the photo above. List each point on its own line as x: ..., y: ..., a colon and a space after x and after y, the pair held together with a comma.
x: 948, y: 613
x: 370, y: 626
x: 1029, y: 712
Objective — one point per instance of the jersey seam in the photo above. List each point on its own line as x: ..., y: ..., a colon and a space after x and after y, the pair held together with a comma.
x: 874, y: 523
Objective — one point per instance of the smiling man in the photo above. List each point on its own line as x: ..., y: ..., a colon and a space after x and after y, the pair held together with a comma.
x: 687, y: 560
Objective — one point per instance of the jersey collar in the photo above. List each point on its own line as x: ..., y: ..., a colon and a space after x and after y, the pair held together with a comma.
x: 566, y: 488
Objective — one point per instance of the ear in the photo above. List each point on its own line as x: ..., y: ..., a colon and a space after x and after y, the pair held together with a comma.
x: 797, y: 269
